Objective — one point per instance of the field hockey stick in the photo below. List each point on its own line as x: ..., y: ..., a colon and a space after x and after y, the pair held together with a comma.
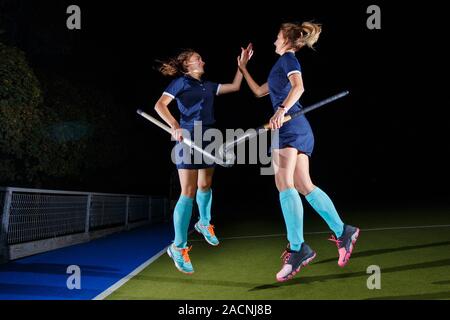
x: 253, y: 133
x: 185, y: 140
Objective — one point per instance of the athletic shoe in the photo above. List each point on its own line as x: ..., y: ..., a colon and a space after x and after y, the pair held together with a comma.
x: 345, y: 243
x: 181, y: 258
x: 208, y: 233
x: 293, y: 261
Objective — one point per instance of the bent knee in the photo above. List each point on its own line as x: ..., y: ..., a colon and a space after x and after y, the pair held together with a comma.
x: 281, y: 186
x: 189, y: 191
x: 204, y: 186
x: 304, y: 189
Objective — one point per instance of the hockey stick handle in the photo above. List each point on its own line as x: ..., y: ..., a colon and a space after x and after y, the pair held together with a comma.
x: 307, y: 109
x: 185, y: 140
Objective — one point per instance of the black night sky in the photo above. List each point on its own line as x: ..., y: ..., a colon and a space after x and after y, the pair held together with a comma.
x: 384, y: 143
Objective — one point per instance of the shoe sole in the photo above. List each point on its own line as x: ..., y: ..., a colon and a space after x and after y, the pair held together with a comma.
x: 198, y: 230
x: 303, y: 264
x: 352, y: 246
x: 176, y: 265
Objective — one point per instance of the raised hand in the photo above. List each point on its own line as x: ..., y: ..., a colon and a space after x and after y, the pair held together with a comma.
x: 246, y: 55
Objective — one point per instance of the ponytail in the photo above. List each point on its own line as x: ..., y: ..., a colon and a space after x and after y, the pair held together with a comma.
x: 300, y: 35
x: 310, y: 33
x: 175, y: 66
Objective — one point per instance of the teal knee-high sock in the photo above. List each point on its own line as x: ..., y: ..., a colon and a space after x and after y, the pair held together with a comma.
x: 320, y: 201
x: 292, y: 208
x: 204, y: 199
x: 181, y: 218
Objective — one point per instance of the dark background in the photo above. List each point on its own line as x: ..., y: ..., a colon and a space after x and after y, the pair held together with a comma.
x: 386, y: 143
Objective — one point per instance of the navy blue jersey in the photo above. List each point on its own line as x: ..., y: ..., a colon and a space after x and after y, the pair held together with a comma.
x: 296, y: 133
x: 195, y: 100
x: 278, y: 81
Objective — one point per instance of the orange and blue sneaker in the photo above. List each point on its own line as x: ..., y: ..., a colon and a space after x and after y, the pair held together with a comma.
x: 208, y: 233
x: 345, y: 243
x: 181, y: 258
x: 293, y: 261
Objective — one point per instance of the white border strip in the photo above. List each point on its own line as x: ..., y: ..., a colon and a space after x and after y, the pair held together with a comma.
x: 218, y: 89
x: 122, y: 281
x: 168, y: 94
x: 292, y: 72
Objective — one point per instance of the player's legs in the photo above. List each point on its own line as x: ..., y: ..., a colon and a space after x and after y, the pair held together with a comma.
x: 178, y: 251
x: 204, y: 201
x: 345, y: 235
x: 318, y: 199
x: 298, y: 253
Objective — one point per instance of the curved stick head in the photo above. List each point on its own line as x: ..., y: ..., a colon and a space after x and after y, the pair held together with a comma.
x: 227, y: 156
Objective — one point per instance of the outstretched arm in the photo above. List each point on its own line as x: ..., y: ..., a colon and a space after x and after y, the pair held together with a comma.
x: 246, y: 54
x: 258, y: 90
x: 231, y: 87
x: 236, y: 84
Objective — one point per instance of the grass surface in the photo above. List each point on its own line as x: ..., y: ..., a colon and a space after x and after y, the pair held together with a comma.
x: 414, y: 263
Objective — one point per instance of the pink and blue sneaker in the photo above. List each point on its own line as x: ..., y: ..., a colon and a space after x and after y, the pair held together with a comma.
x: 293, y: 261
x: 346, y: 243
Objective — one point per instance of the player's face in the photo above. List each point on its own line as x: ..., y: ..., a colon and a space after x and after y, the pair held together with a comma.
x: 195, y: 64
x: 280, y: 43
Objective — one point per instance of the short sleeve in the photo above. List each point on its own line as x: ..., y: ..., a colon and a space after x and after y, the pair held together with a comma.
x: 174, y: 88
x: 290, y: 65
x: 215, y: 88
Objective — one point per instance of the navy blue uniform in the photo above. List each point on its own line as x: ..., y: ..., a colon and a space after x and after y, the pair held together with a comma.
x: 195, y: 100
x: 296, y: 133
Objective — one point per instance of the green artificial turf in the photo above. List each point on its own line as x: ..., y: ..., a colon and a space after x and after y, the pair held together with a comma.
x: 414, y: 263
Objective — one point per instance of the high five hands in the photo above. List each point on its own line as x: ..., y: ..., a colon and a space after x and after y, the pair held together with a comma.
x: 246, y: 55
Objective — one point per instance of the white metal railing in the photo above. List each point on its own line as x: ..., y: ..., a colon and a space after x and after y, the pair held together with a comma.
x: 29, y: 215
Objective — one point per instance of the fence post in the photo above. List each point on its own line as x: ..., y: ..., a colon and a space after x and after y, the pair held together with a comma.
x: 127, y: 212
x: 88, y: 213
x: 150, y: 210
x: 4, y: 252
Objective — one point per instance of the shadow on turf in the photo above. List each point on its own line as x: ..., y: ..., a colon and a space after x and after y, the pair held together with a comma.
x: 370, y: 253
x: 442, y: 282
x: 222, y: 283
x: 311, y: 279
x: 296, y: 281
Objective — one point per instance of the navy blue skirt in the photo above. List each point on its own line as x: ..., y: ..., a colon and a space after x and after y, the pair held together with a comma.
x: 296, y: 133
x: 187, y: 158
